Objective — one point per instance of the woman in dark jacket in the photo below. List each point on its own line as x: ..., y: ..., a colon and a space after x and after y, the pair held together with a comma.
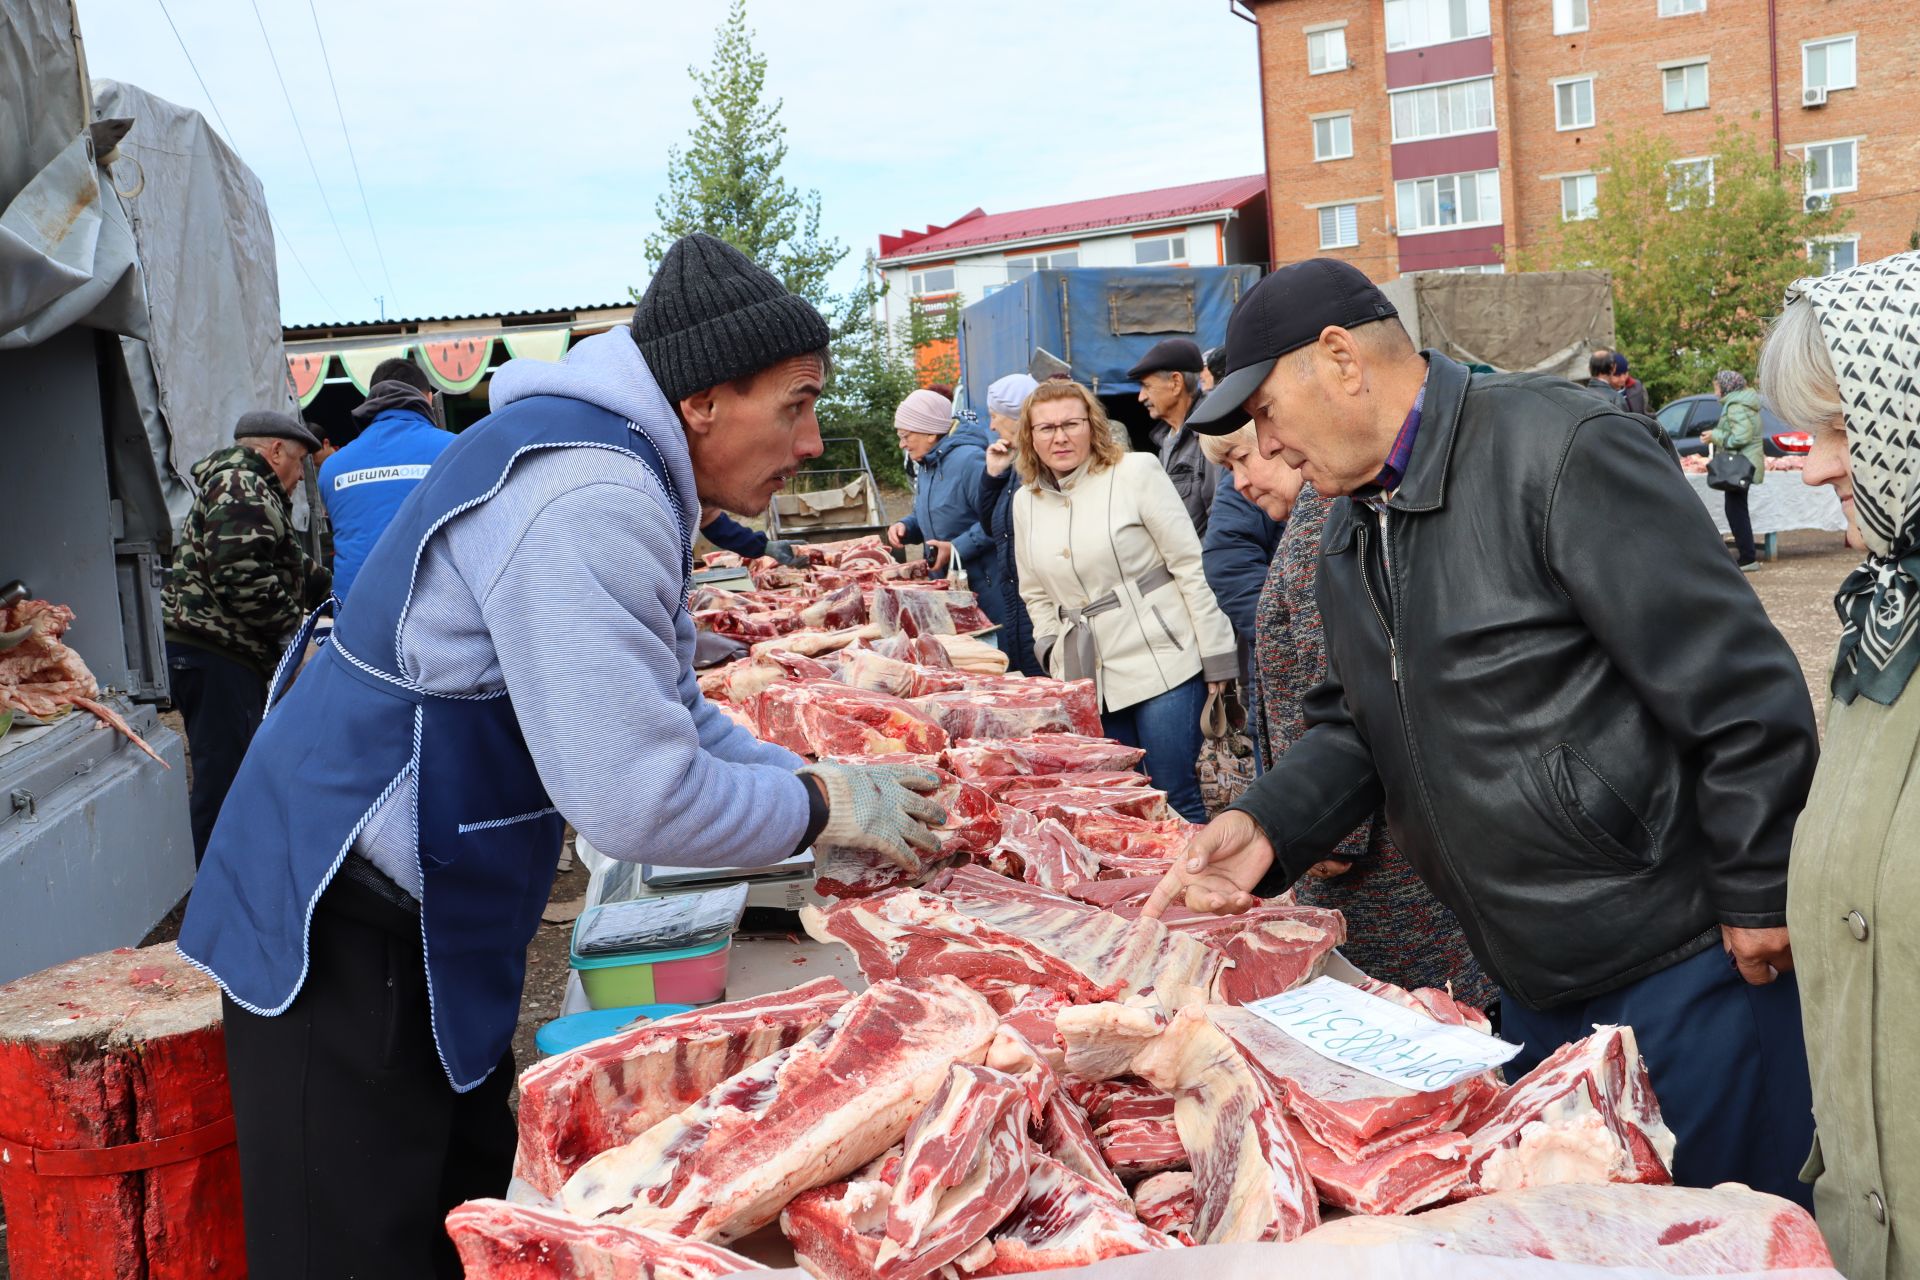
x: 995, y: 510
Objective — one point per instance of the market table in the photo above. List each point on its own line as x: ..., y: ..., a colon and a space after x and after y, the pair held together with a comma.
x: 1783, y: 503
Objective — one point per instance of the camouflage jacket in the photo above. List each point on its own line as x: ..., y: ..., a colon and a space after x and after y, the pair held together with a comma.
x: 241, y: 581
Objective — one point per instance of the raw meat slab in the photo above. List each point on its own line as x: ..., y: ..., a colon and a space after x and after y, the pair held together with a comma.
x: 1412, y: 1175
x: 1050, y: 753
x: 1063, y: 1221
x: 604, y: 1094
x: 502, y: 1241
x: 962, y: 1170
x: 802, y: 1117
x: 1729, y: 1230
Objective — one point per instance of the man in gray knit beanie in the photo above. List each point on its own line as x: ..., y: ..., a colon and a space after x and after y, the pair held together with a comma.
x: 530, y: 600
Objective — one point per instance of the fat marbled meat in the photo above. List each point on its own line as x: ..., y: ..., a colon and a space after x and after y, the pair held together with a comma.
x: 1690, y: 1231
x: 574, y: 1106
x: 497, y: 1240
x: 799, y: 1118
x: 963, y: 1169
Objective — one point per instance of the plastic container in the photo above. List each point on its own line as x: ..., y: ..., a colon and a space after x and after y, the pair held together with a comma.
x: 690, y: 975
x: 563, y: 1035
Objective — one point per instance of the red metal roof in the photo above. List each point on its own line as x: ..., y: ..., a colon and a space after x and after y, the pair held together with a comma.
x: 976, y: 228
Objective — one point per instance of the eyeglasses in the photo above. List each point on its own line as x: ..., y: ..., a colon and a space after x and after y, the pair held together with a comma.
x: 1060, y: 428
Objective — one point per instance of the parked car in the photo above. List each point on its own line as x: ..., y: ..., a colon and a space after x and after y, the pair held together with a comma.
x: 1684, y: 419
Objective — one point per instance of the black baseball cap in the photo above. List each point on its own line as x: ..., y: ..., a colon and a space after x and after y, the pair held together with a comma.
x: 1282, y: 313
x: 1169, y: 355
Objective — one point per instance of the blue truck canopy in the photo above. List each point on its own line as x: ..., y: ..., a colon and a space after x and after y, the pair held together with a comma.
x: 1100, y: 320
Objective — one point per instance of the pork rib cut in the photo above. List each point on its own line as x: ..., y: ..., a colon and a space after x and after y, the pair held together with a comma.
x: 1409, y: 1176
x: 963, y: 1169
x: 801, y: 1117
x: 1728, y: 1230
x: 502, y: 1241
x: 1048, y: 753
x: 1587, y: 1114
x: 1249, y: 1181
x: 836, y: 1231
x: 1166, y: 1202
x: 604, y: 1094
x: 1063, y: 1221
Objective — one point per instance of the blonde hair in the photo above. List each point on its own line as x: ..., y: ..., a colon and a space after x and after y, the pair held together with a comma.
x: 1107, y: 449
x: 1216, y: 448
x: 1796, y: 370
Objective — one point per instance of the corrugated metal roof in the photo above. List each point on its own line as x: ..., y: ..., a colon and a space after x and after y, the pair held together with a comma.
x: 976, y: 228
x: 402, y: 321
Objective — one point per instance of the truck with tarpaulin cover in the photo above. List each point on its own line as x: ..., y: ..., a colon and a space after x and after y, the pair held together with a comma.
x: 1098, y: 322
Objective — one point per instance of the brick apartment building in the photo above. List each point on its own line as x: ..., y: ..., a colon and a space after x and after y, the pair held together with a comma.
x: 1423, y: 135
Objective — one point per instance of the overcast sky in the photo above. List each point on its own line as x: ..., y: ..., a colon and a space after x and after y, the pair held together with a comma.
x: 512, y: 150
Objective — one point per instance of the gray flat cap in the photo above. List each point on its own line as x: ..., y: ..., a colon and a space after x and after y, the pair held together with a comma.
x: 277, y: 426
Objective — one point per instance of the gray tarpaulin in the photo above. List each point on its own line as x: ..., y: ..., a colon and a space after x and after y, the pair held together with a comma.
x: 1529, y: 322
x: 166, y: 244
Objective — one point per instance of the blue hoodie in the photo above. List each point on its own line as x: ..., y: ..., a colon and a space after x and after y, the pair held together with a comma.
x: 364, y: 484
x: 565, y: 589
x: 945, y: 498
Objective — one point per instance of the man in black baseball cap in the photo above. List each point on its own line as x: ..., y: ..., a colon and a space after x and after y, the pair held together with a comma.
x: 1608, y: 818
x: 1169, y: 378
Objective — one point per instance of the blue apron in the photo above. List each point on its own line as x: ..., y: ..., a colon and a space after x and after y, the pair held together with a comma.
x: 353, y: 729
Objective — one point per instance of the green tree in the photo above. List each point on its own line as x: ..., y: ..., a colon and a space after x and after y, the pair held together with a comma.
x: 1698, y: 270
x: 871, y: 376
x: 727, y: 180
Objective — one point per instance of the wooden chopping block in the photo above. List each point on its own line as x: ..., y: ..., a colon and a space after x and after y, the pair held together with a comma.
x: 116, y: 1127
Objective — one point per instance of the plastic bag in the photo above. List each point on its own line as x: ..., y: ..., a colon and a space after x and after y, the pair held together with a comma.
x: 663, y: 924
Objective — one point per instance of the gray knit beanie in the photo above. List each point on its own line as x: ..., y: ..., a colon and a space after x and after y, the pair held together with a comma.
x: 711, y: 314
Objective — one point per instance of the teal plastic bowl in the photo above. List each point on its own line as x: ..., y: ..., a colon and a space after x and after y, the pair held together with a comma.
x: 563, y: 1035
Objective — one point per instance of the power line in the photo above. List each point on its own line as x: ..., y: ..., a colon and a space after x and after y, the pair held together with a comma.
x: 228, y: 130
x: 302, y: 135
x: 339, y: 111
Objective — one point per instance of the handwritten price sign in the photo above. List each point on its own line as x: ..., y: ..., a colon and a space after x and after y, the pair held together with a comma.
x: 1380, y: 1037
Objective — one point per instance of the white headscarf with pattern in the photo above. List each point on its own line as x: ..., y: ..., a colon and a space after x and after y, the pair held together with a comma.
x: 1870, y: 318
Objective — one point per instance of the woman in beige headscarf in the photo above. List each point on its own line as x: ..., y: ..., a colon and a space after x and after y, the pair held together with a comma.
x: 1843, y: 362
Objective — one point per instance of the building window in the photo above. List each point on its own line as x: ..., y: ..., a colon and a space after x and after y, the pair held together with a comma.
x: 1685, y: 86
x: 1326, y: 51
x: 1679, y: 8
x: 1831, y: 168
x: 1443, y: 110
x: 1837, y: 254
x: 1577, y: 195
x: 1020, y: 268
x: 1414, y: 23
x: 1690, y: 183
x: 1827, y: 64
x: 1333, y: 138
x: 933, y: 280
x: 1569, y: 16
x: 1573, y: 104
x: 1339, y: 226
x: 1451, y: 200
x: 1158, y: 249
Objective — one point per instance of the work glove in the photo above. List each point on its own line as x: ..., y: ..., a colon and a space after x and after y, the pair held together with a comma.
x: 785, y: 552
x: 880, y: 809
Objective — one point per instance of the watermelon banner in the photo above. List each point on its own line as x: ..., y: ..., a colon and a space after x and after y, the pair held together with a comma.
x: 458, y: 364
x: 539, y: 344
x: 360, y: 362
x: 305, y: 374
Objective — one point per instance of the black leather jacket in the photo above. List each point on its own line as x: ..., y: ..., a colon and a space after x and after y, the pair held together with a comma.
x: 1589, y: 738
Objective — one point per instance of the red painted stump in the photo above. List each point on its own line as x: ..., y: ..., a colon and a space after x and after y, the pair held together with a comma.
x: 116, y: 1129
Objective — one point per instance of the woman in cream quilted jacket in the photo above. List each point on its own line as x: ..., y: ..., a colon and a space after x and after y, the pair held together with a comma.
x: 1110, y: 574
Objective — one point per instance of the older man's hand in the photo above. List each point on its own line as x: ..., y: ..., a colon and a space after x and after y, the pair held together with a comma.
x: 1219, y: 870
x: 1761, y: 955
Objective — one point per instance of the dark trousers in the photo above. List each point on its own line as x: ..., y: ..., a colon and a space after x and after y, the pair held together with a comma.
x: 222, y: 702
x: 1167, y: 725
x: 1727, y: 1060
x: 353, y: 1145
x: 1740, y: 525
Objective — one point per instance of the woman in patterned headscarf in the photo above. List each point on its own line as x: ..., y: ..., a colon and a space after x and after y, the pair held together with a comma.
x: 1843, y: 362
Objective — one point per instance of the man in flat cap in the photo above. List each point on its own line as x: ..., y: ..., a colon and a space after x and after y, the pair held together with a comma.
x: 517, y: 656
x: 241, y: 581
x: 1169, y: 378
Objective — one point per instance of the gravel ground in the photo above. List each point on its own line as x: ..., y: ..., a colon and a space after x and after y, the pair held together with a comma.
x: 1797, y: 590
